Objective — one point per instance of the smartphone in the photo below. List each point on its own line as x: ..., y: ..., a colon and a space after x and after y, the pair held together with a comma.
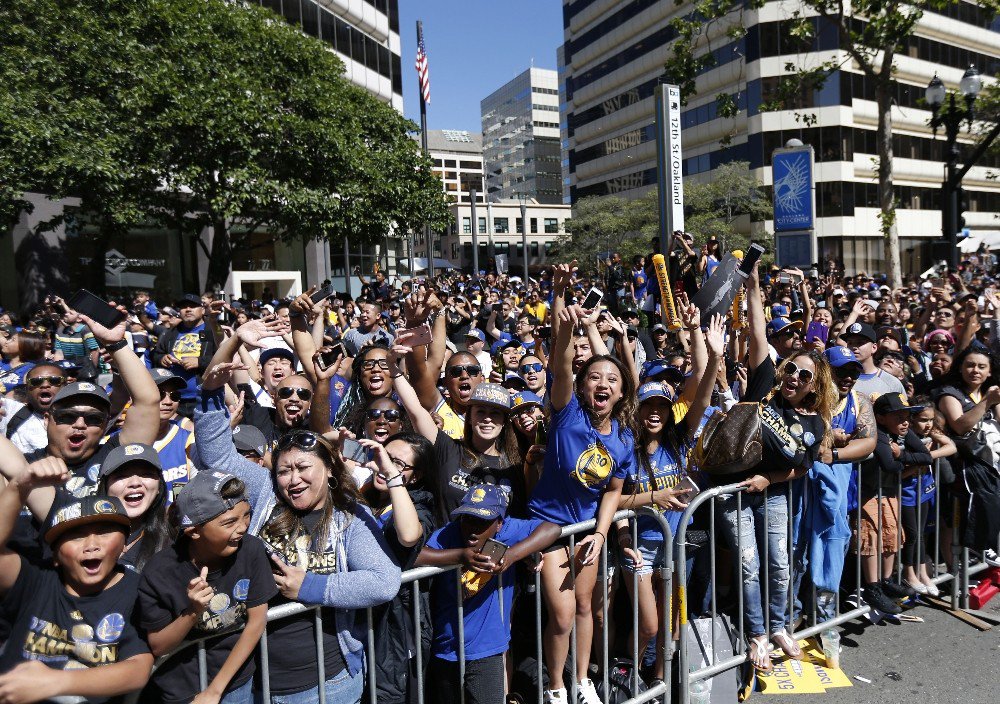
x: 817, y: 331
x: 493, y: 549
x: 321, y: 295
x: 414, y: 337
x: 83, y: 301
x: 328, y: 358
x: 355, y: 451
x: 593, y: 299
x: 274, y: 552
x: 545, y: 332
x: 541, y: 433
x: 687, y: 486
x: 749, y: 259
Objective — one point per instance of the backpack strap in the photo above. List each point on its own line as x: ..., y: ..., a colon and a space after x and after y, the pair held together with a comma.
x: 17, y: 420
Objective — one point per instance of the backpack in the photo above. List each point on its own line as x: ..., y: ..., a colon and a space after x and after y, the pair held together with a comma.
x: 621, y: 677
x: 17, y: 420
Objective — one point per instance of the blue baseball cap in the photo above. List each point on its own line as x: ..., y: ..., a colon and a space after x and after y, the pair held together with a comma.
x: 779, y: 325
x: 487, y: 502
x: 523, y: 399
x: 487, y: 394
x: 272, y: 352
x: 514, y: 382
x: 653, y: 367
x: 839, y: 356
x: 779, y: 311
x: 476, y: 333
x: 655, y: 389
x: 504, y: 343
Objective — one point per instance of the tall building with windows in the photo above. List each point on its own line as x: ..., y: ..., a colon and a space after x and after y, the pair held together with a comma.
x: 614, y: 55
x: 521, y: 138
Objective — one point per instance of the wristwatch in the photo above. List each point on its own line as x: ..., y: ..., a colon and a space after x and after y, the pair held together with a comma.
x: 836, y: 455
x: 115, y: 346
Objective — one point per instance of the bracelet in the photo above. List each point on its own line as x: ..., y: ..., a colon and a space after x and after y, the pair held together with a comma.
x: 603, y: 536
x: 115, y: 346
x: 836, y: 454
x: 389, y: 484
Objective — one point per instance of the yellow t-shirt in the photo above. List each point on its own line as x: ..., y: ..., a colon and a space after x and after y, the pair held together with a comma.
x: 454, y: 423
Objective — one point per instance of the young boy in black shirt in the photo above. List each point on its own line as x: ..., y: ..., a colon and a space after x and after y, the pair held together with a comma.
x: 71, y: 632
x: 214, y: 581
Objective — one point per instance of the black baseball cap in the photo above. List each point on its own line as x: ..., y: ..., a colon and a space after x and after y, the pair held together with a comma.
x: 80, y: 389
x: 863, y: 329
x: 126, y: 454
x: 201, y: 498
x: 162, y: 377
x: 69, y: 512
x: 892, y: 402
x: 188, y: 299
x: 249, y: 438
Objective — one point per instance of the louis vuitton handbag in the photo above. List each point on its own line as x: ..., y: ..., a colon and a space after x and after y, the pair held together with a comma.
x: 730, y: 442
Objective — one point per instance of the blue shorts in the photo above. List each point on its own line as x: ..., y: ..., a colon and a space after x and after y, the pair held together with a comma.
x: 653, y: 552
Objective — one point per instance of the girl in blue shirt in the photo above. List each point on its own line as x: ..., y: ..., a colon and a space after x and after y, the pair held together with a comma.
x: 589, y: 453
x: 660, y: 448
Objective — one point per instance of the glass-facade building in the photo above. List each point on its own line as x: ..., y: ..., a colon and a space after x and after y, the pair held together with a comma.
x: 521, y: 138
x: 614, y: 55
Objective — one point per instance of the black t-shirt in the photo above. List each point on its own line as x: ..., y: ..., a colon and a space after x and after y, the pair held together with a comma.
x: 245, y: 581
x: 453, y: 481
x: 790, y: 439
x: 292, y: 641
x: 65, y: 631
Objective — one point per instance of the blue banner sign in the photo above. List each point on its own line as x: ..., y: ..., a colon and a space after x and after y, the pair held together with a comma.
x: 792, y: 170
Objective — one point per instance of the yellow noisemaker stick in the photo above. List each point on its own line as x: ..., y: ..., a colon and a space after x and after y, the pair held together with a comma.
x: 739, y: 321
x: 666, y: 293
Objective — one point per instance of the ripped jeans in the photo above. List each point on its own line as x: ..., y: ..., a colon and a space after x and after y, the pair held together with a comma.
x: 747, y: 527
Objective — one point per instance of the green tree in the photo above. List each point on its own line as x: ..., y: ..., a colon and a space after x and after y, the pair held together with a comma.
x: 726, y: 206
x: 871, y: 34
x: 603, y: 224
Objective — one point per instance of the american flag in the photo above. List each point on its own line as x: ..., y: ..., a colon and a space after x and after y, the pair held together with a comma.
x: 423, y: 72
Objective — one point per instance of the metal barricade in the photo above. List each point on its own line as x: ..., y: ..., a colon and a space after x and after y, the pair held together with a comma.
x: 414, y: 577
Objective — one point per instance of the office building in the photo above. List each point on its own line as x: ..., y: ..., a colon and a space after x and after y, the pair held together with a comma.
x: 521, y: 138
x: 614, y: 55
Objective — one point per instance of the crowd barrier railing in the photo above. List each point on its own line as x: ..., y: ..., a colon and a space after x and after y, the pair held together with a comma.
x: 419, y: 578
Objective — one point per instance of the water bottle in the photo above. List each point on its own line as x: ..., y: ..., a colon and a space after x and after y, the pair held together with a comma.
x: 831, y: 648
x: 699, y: 693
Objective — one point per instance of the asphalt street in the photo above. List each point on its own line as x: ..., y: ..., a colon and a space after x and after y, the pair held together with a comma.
x: 940, y: 660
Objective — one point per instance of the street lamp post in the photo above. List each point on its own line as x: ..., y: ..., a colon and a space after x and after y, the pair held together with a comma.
x: 951, y: 119
x: 523, y: 197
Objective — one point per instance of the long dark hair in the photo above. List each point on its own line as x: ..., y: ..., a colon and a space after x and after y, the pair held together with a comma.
x: 31, y: 346
x: 351, y: 413
x: 954, y: 375
x: 423, y: 458
x: 510, y: 450
x: 625, y: 409
x: 157, y: 530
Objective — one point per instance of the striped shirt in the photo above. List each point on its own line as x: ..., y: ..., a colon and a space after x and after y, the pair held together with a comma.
x: 75, y: 341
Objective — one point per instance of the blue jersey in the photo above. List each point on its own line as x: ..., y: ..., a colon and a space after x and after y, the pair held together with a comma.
x: 666, y: 472
x: 487, y: 614
x: 579, y: 463
x: 639, y: 282
x: 173, y: 453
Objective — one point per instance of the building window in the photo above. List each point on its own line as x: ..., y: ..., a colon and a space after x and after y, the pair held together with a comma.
x: 551, y: 226
x: 467, y: 226
x: 450, y: 163
x: 520, y: 250
x: 518, y: 225
x: 534, y: 249
x: 482, y: 226
x: 534, y: 226
x: 501, y: 226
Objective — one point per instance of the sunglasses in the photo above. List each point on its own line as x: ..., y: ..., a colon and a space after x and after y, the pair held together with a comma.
x: 390, y: 414
x: 93, y: 419
x: 174, y: 396
x: 847, y: 372
x: 459, y: 369
x: 531, y: 367
x: 286, y: 392
x: 37, y: 381
x: 804, y: 375
x: 788, y: 333
x: 370, y: 364
x: 303, y: 439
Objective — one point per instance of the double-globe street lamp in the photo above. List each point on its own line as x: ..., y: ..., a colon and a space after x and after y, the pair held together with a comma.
x: 951, y: 119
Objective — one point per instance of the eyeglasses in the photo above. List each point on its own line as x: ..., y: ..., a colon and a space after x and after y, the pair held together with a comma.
x: 471, y: 369
x: 37, y: 381
x: 804, y: 375
x: 93, y: 419
x: 390, y: 414
x: 370, y: 364
x: 285, y: 392
x: 531, y: 367
x: 174, y: 396
x: 400, y: 464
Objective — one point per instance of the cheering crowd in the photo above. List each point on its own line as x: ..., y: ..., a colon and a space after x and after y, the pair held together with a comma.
x: 174, y: 471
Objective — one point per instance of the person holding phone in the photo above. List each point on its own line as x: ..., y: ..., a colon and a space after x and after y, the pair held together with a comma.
x: 187, y: 349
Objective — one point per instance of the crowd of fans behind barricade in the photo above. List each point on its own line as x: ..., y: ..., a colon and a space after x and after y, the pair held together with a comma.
x: 173, y: 473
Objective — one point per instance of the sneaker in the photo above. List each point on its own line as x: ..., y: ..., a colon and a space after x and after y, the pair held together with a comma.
x: 555, y: 696
x: 991, y: 558
x: 876, y: 599
x: 895, y: 590
x: 586, y: 692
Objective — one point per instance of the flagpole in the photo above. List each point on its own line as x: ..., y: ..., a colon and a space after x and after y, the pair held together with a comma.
x: 423, y: 142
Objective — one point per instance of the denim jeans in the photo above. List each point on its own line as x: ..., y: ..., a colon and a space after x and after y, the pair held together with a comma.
x: 749, y: 528
x: 342, y: 688
x: 241, y: 695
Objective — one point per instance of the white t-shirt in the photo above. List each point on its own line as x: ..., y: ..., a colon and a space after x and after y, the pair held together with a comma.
x: 30, y: 435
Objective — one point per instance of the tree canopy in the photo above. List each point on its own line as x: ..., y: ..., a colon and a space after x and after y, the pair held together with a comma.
x: 201, y: 113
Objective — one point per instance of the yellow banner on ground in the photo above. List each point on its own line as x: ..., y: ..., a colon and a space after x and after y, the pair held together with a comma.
x: 810, y: 676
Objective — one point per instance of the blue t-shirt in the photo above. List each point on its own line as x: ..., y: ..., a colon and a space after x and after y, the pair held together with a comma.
x: 579, y: 463
x: 921, y: 485
x: 639, y: 282
x: 667, y: 471
x: 487, y: 620
x: 14, y: 377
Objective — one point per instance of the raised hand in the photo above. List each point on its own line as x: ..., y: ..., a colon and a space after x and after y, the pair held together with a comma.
x: 253, y: 331
x: 48, y: 471
x: 562, y: 276
x: 199, y: 592
x: 218, y: 376
x: 715, y: 336
x: 103, y: 335
x: 236, y: 410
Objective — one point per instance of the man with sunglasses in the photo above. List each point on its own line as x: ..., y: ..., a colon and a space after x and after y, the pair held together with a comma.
x: 785, y: 337
x: 292, y: 399
x: 24, y: 423
x: 861, y: 339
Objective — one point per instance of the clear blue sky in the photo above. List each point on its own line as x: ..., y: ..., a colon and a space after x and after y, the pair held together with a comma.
x: 473, y: 48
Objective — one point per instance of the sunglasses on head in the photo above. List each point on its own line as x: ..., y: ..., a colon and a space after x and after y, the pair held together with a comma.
x: 370, y: 364
x: 804, y: 375
x: 67, y: 416
x: 41, y: 380
x: 174, y: 396
x: 285, y: 392
x: 531, y: 367
x: 471, y: 369
x: 390, y: 414
x: 303, y: 439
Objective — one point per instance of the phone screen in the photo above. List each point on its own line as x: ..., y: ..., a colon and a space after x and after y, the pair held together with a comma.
x: 593, y: 299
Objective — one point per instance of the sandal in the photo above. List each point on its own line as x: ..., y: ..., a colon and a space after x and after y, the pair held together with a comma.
x: 782, y: 640
x: 759, y: 656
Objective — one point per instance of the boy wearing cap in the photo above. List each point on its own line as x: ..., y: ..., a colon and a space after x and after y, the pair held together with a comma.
x: 70, y: 627
x: 214, y: 578
x: 898, y: 447
x: 24, y: 423
x: 479, y: 525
